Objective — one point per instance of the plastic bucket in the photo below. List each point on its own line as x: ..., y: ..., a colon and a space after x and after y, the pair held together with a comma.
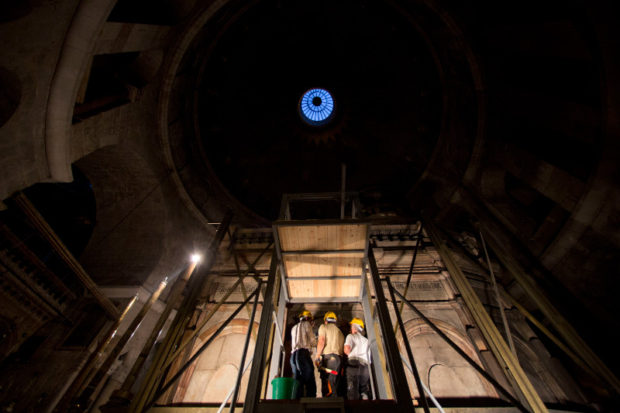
x: 284, y: 388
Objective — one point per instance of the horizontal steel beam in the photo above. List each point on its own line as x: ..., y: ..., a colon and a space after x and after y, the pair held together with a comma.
x: 307, y: 252
x: 324, y: 222
x: 321, y: 300
x: 325, y: 277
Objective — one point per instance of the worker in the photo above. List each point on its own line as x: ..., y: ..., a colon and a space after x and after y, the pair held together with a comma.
x: 329, y: 353
x: 358, y: 352
x: 303, y: 341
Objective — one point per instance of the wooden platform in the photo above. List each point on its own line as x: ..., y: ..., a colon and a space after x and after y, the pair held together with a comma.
x: 322, y: 261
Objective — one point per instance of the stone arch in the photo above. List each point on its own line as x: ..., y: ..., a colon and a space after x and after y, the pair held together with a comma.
x: 77, y: 49
x: 214, y: 373
x: 441, y: 368
x: 10, y: 94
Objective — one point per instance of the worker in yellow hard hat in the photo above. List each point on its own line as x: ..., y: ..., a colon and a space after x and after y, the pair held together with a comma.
x: 329, y: 351
x: 358, y: 352
x: 302, y: 343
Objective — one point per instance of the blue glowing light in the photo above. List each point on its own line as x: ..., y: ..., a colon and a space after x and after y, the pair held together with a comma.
x: 316, y: 106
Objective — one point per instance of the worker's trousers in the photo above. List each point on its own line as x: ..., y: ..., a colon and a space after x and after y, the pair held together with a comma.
x: 358, y: 380
x: 303, y: 372
x: 329, y: 381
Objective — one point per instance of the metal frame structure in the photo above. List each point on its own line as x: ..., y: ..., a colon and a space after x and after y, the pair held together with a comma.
x: 394, y: 365
x: 255, y: 382
x: 414, y: 368
x: 388, y: 377
x: 391, y: 357
x: 494, y: 339
x: 380, y: 378
x: 164, y: 387
x: 452, y: 344
x: 165, y: 355
x: 341, y: 197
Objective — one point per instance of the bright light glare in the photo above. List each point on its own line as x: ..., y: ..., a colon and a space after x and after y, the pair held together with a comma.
x: 196, y: 257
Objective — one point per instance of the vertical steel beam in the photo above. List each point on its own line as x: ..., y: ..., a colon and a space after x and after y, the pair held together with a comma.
x: 504, y: 248
x: 496, y: 342
x: 149, y: 385
x: 395, y: 365
x: 87, y: 368
x: 415, y: 255
x: 414, y: 368
x: 563, y: 327
x: 256, y: 375
x: 278, y: 252
x: 173, y: 297
x: 378, y: 361
x: 246, y: 345
x: 164, y: 387
x: 498, y: 298
x: 275, y: 367
x: 84, y: 398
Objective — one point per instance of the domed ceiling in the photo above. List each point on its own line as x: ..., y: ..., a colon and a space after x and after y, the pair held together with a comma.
x: 242, y: 79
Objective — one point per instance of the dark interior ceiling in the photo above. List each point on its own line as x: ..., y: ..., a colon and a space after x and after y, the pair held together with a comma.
x: 480, y: 111
x: 458, y: 108
x: 417, y: 86
x: 257, y: 63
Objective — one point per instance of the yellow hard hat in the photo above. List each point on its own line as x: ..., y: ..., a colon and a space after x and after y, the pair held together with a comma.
x: 306, y: 314
x: 358, y: 322
x: 330, y: 315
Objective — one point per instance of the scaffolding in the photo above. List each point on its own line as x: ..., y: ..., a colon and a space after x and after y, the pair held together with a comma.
x: 325, y: 261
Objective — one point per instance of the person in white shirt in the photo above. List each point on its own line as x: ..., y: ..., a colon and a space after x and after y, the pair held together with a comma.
x: 302, y: 343
x: 357, y: 349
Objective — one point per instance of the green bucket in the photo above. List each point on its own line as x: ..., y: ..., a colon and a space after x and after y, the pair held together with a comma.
x: 284, y: 388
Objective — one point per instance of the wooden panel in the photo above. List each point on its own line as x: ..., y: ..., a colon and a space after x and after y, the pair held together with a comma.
x: 304, y: 265
x: 332, y: 237
x: 324, y: 288
x: 323, y: 237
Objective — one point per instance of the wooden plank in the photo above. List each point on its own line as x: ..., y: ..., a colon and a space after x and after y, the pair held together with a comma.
x: 323, y: 264
x: 323, y: 237
x: 324, y: 288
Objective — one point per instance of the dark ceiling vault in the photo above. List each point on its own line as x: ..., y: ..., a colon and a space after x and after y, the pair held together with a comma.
x: 251, y: 66
x: 480, y: 114
x: 459, y: 110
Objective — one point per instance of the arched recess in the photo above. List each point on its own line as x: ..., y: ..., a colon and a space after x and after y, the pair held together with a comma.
x: 214, y: 373
x: 443, y: 370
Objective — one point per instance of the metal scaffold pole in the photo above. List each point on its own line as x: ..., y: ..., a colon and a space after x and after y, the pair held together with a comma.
x: 255, y: 383
x: 395, y: 365
x: 496, y: 342
x: 155, y: 373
